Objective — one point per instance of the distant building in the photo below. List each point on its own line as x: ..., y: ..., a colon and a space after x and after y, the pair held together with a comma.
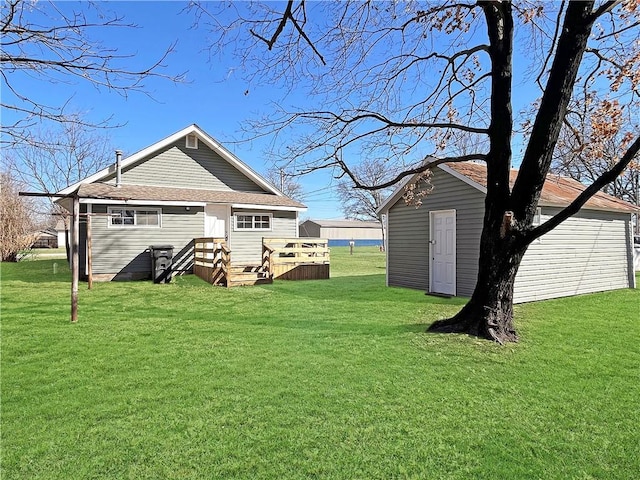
x: 47, y: 238
x: 61, y: 232
x: 341, y: 232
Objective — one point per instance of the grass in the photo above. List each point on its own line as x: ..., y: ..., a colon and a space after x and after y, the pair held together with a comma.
x: 41, y: 253
x: 324, y: 379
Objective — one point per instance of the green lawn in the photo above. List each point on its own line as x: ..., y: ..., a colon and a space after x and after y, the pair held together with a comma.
x: 328, y: 379
x: 42, y: 253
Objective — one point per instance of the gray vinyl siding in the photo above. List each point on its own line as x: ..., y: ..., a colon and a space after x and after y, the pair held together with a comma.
x: 587, y: 253
x: 408, y: 247
x: 408, y: 235
x: 246, y: 246
x: 176, y: 165
x: 124, y: 251
x: 590, y: 252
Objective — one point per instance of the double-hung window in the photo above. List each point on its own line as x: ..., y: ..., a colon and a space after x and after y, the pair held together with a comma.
x: 255, y: 222
x: 135, y: 217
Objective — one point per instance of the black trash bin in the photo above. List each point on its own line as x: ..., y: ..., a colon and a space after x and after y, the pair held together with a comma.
x: 161, y: 259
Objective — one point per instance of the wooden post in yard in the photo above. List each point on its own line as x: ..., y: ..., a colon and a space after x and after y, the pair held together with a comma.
x: 75, y: 272
x: 89, y: 256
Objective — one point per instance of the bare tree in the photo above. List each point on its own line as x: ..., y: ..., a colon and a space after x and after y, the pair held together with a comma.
x: 17, y: 221
x: 593, y: 145
x: 401, y: 80
x: 285, y: 182
x: 56, y: 158
x: 360, y: 204
x: 53, y: 43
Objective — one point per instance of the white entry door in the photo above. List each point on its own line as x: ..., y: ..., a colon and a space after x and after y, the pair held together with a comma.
x: 442, y: 248
x: 215, y: 221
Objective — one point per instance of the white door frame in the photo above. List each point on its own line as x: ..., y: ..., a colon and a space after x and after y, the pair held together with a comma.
x: 227, y: 215
x: 432, y: 213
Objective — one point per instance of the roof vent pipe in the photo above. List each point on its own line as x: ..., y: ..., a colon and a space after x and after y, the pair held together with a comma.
x: 118, y: 168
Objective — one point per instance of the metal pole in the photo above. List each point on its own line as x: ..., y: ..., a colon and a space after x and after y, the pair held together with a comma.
x: 89, y: 256
x: 75, y: 273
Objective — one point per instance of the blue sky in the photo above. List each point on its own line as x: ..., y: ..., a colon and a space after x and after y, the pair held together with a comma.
x: 213, y: 95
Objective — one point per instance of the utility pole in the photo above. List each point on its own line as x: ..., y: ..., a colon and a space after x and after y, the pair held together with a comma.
x: 75, y: 270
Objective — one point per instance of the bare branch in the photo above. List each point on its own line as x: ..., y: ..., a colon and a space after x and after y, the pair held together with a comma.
x: 618, y: 32
x: 288, y: 16
x: 63, y: 51
x: 606, y: 7
x: 427, y: 165
x: 575, y: 206
x: 546, y: 129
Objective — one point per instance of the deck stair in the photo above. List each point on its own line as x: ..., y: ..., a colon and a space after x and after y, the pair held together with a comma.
x: 248, y: 275
x: 282, y: 258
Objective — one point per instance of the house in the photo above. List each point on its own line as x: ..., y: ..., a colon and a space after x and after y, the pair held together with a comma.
x: 435, y: 247
x: 47, y: 238
x: 183, y: 187
x: 61, y: 233
x: 341, y: 232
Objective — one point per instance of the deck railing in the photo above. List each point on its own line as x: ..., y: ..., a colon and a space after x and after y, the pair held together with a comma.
x: 282, y: 258
x: 267, y: 259
x: 296, y: 258
x: 212, y: 260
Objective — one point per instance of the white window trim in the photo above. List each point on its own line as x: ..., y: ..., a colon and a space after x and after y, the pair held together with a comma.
x: 135, y: 209
x: 186, y: 141
x: 252, y: 214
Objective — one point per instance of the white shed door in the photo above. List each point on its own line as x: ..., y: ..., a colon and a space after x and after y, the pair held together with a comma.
x: 215, y: 219
x: 442, y: 245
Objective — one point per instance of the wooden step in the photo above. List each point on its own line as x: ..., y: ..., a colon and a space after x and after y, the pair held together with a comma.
x: 248, y: 275
x: 246, y: 269
x: 247, y: 282
x: 249, y: 279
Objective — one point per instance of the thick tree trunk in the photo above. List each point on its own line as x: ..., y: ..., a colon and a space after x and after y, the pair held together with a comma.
x: 489, y: 312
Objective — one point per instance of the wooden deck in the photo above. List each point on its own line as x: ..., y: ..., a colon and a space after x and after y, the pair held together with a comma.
x: 282, y: 258
x: 297, y: 258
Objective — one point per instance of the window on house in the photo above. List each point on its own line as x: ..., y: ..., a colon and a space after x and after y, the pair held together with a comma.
x: 253, y: 222
x: 192, y: 141
x: 135, y: 217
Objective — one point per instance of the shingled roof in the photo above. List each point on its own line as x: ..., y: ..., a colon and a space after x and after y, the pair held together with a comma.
x: 558, y: 191
x: 170, y: 194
